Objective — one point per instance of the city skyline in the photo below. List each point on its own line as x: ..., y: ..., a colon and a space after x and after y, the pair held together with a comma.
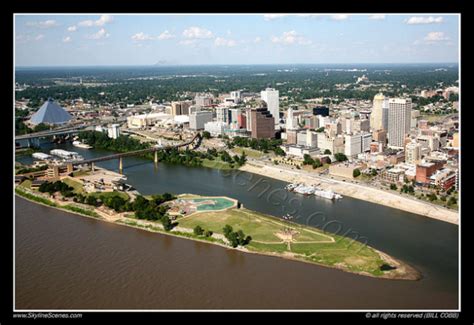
x: 114, y: 40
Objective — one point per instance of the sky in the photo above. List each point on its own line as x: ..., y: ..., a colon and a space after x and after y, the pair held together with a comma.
x: 91, y: 40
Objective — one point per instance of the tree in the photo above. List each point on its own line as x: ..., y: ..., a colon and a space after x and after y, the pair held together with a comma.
x: 279, y: 151
x: 327, y: 152
x: 243, y: 159
x: 452, y: 200
x: 198, y: 231
x: 236, y: 238
x: 393, y: 187
x: 140, y: 203
x: 317, y: 163
x: 206, y: 135
x: 166, y: 222
x: 41, y: 127
x: 340, y: 157
x: 208, y: 233
x: 307, y: 160
x: 91, y: 200
x: 227, y: 229
x: 356, y: 173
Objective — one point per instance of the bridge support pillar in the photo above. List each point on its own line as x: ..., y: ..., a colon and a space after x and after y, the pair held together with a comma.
x: 156, y: 157
x: 29, y: 142
x: 120, y: 165
x: 92, y: 167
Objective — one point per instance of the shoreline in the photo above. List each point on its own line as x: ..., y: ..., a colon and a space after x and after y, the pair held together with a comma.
x: 409, y: 273
x: 356, y: 191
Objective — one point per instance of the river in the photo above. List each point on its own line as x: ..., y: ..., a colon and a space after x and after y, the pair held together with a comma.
x: 67, y: 261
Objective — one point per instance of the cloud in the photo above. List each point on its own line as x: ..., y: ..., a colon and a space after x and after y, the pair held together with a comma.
x: 26, y: 38
x: 67, y: 39
x: 424, y: 20
x: 145, y: 37
x: 377, y: 17
x: 72, y: 28
x: 435, y: 37
x: 165, y: 35
x: 101, y: 34
x: 104, y: 19
x: 339, y: 17
x: 257, y: 39
x: 43, y: 24
x: 188, y: 42
x: 219, y: 41
x: 291, y: 37
x: 142, y: 37
x: 197, y: 33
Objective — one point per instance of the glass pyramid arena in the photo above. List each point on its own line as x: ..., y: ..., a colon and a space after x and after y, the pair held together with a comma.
x: 50, y: 113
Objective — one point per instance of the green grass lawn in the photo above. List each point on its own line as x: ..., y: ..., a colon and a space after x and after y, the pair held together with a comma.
x: 309, y: 243
x: 78, y: 188
x: 260, y: 227
x: 248, y: 151
x: 26, y: 183
x: 216, y: 163
x: 110, y: 194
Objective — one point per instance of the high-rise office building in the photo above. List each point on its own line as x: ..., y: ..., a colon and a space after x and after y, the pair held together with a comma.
x: 378, y: 117
x: 236, y: 96
x: 272, y: 98
x: 413, y: 153
x: 203, y: 100
x: 113, y: 131
x: 198, y: 119
x: 180, y: 108
x: 263, y: 123
x: 399, y: 120
x: 248, y: 121
x: 222, y: 114
x: 291, y: 123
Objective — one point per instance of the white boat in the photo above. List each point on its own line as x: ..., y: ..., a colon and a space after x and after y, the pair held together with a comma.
x: 306, y: 190
x: 313, y: 190
x: 40, y: 156
x: 327, y: 194
x: 68, y: 155
x: 79, y: 144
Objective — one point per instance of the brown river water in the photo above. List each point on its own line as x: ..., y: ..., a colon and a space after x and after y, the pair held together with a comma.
x: 65, y: 261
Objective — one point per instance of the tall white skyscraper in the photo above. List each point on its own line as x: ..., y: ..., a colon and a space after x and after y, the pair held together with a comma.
x: 290, y: 120
x: 378, y: 117
x: 399, y: 119
x: 272, y: 98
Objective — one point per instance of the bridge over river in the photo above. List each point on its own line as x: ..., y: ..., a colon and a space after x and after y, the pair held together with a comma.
x: 194, y: 143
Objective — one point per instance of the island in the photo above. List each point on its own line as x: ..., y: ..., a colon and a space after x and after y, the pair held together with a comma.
x: 220, y: 220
